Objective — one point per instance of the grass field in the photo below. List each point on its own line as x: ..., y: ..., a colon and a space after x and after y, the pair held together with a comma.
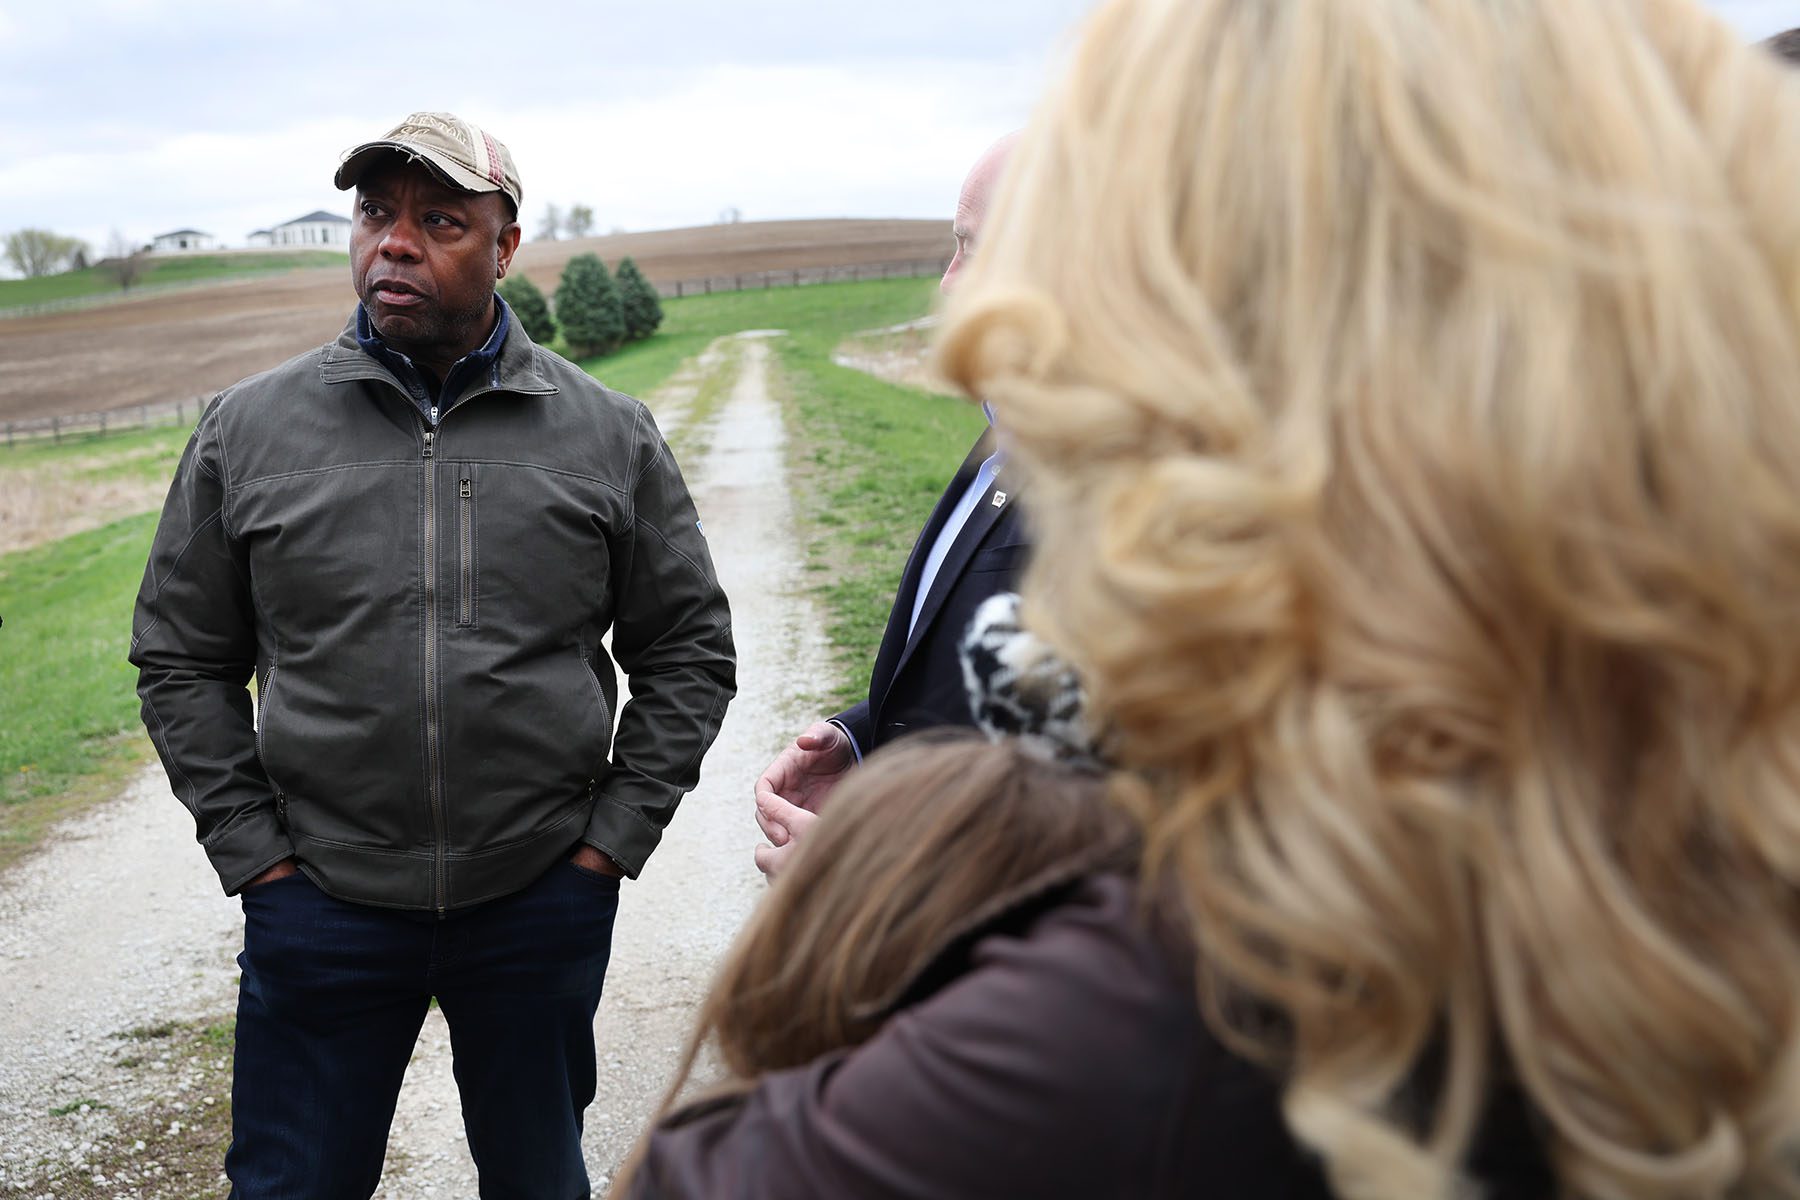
x: 821, y: 314
x: 69, y: 728
x: 69, y: 731
x: 869, y: 460
x: 188, y: 268
x: 875, y: 459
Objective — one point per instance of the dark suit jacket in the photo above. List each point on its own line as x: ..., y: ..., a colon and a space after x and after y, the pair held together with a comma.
x: 917, y: 682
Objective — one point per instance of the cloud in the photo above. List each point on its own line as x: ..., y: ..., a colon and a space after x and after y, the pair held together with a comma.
x: 890, y: 139
x: 216, y: 66
x: 774, y: 141
x: 149, y: 115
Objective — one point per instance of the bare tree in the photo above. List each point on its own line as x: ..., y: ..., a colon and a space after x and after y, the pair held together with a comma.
x: 124, y: 261
x: 580, y: 221
x: 730, y: 215
x: 35, y: 252
x: 552, y: 225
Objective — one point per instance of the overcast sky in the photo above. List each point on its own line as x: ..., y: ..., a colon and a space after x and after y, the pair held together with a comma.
x: 152, y: 115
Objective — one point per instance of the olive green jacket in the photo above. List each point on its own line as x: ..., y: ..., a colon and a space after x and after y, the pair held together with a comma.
x: 423, y: 611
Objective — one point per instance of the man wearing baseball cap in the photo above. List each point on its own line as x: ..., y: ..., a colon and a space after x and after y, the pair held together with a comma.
x: 413, y: 539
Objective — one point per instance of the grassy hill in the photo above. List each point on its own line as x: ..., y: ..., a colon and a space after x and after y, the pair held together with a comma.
x: 187, y: 268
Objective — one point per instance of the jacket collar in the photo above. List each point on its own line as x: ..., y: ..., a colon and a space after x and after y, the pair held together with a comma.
x: 513, y: 369
x: 470, y: 370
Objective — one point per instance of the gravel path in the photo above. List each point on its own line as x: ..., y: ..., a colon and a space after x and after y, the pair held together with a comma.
x: 120, y: 923
x: 117, y: 925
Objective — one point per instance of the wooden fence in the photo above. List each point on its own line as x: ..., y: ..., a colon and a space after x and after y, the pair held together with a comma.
x: 801, y: 276
x: 98, y: 424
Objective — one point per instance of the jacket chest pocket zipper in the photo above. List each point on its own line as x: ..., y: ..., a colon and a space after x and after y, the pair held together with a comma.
x: 465, y: 551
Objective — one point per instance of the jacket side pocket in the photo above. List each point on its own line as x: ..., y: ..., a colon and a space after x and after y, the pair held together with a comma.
x: 265, y: 701
x: 265, y: 696
x: 587, y: 668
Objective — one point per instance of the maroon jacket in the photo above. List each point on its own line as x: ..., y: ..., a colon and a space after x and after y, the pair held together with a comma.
x: 1056, y: 1050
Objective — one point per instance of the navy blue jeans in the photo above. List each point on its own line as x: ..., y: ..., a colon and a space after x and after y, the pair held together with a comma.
x: 330, y: 1006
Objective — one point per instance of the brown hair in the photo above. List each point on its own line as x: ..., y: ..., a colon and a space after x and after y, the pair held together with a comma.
x: 920, y: 846
x: 1786, y: 45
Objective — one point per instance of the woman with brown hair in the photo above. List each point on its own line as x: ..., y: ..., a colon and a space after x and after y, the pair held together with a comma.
x: 958, y: 893
x: 1407, y: 391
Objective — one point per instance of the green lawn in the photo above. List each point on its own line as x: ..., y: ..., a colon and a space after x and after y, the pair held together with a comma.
x: 69, y: 730
x: 68, y: 709
x: 872, y: 460
x: 869, y: 461
x: 825, y: 313
x: 192, y: 268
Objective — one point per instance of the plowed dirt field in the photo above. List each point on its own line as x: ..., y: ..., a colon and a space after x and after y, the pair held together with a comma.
x: 181, y: 345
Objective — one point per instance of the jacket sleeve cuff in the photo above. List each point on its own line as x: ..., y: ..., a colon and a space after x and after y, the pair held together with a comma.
x: 247, y: 847
x: 854, y: 721
x: 622, y: 833
x: 855, y: 746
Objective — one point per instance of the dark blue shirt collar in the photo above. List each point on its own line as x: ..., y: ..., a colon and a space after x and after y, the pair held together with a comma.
x: 480, y: 364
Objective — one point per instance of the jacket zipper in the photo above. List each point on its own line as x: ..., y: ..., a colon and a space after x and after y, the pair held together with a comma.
x: 465, y: 611
x: 432, y: 786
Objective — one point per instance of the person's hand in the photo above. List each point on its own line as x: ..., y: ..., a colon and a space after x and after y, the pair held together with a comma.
x: 805, y: 772
x: 590, y: 859
x: 280, y: 870
x: 794, y: 787
x: 785, y: 825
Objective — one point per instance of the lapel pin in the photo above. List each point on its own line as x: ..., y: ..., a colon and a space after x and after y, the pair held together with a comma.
x: 999, y: 499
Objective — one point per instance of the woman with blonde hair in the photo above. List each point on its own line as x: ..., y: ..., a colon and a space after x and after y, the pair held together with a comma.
x: 1409, y: 395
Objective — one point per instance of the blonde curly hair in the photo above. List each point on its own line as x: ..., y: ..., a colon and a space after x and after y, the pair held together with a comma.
x: 1410, y: 399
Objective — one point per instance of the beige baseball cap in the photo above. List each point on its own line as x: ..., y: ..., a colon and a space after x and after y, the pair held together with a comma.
x: 459, y: 151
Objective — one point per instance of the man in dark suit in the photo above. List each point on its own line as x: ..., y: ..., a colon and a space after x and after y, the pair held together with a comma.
x: 973, y: 547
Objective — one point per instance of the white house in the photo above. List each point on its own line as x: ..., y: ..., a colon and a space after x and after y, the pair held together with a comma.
x: 183, y: 239
x: 320, y: 228
x: 259, y: 237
